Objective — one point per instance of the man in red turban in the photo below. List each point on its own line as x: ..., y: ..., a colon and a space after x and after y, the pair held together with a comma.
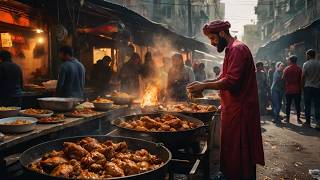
x: 241, y: 141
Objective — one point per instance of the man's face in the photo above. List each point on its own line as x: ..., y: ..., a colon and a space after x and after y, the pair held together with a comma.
x: 62, y: 56
x: 217, y: 41
x: 307, y: 57
x: 281, y: 67
x: 216, y: 70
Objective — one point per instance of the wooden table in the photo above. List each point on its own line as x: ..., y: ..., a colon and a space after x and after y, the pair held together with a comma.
x: 17, y: 143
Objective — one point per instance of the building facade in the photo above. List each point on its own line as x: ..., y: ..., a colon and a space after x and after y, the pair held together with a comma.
x: 173, y: 14
x: 251, y: 37
x: 279, y: 18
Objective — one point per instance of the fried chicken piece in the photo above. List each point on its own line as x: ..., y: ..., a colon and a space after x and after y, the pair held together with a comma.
x: 118, y: 147
x: 184, y: 126
x: 88, y: 175
x: 153, y: 159
x: 142, y: 152
x: 126, y: 125
x: 76, y: 167
x: 150, y: 123
x: 174, y: 123
x: 144, y: 155
x: 93, y: 157
x: 50, y: 163
x: 53, y: 153
x: 141, y: 128
x: 165, y: 127
x: 112, y: 169
x: 144, y: 166
x: 130, y: 167
x: 74, y: 151
x: 90, y: 144
x: 96, y: 167
x: 108, y: 152
x: 123, y: 156
x: 35, y: 166
x: 63, y: 170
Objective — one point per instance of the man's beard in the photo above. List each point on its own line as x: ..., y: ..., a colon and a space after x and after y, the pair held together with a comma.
x: 222, y: 44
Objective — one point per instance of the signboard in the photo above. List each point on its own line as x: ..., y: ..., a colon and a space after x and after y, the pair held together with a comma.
x: 6, y: 40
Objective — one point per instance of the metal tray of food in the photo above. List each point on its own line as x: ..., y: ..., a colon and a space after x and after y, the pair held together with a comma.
x: 59, y: 104
x: 17, y: 124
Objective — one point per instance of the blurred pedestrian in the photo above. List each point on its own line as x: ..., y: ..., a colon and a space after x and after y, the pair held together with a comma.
x: 216, y: 71
x: 311, y: 85
x: 292, y: 77
x: 179, y: 77
x: 11, y: 81
x: 188, y: 63
x: 200, y: 74
x: 71, y: 78
x: 262, y: 87
x: 271, y: 71
x: 129, y: 75
x: 277, y: 91
x: 148, y: 69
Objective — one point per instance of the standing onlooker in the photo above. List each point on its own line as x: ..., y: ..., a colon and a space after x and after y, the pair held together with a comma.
x: 200, y: 74
x: 188, y: 63
x: 71, y: 78
x: 270, y: 73
x: 311, y: 84
x: 11, y: 81
x: 129, y: 75
x: 216, y: 71
x: 277, y: 91
x: 262, y: 87
x: 148, y: 68
x: 292, y: 77
x: 179, y: 76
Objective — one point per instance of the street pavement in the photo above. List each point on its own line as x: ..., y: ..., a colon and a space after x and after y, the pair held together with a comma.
x: 290, y: 150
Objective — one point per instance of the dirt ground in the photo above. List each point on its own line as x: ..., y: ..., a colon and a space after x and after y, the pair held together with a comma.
x: 290, y: 150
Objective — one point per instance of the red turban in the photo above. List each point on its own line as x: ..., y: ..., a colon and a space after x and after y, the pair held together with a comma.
x: 216, y: 26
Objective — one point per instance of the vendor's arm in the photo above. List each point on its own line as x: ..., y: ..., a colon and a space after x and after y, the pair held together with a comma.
x: 237, y: 61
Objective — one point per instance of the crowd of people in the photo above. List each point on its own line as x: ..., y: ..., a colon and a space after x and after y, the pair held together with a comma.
x: 290, y: 84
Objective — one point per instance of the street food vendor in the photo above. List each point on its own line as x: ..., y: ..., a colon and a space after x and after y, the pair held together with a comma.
x: 71, y: 78
x: 11, y: 81
x: 179, y: 77
x: 241, y: 141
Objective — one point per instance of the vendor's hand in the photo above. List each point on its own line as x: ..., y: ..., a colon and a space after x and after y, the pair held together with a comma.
x: 195, y: 82
x: 195, y: 87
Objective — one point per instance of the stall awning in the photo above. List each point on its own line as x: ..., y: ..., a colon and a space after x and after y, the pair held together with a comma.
x: 143, y: 30
x: 286, y: 40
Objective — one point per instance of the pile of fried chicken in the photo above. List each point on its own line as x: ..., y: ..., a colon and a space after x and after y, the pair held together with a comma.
x: 90, y: 159
x: 166, y: 122
x: 192, y: 107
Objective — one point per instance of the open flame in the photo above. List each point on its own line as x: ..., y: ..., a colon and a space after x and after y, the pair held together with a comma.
x: 150, y: 96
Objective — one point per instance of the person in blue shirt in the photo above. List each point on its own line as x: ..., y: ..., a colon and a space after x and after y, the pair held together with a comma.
x: 71, y: 77
x: 277, y: 91
x: 11, y: 81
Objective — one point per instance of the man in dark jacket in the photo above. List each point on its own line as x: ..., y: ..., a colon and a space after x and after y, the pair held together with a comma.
x: 11, y: 81
x: 71, y: 78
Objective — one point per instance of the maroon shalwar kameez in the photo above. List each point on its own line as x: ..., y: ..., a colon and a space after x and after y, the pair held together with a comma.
x: 241, y: 141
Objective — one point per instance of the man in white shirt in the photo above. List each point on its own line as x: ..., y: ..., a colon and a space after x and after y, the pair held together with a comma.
x: 311, y: 86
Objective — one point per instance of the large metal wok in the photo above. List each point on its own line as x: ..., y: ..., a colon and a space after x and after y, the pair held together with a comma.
x: 172, y: 140
x: 205, y: 117
x: 36, y: 152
